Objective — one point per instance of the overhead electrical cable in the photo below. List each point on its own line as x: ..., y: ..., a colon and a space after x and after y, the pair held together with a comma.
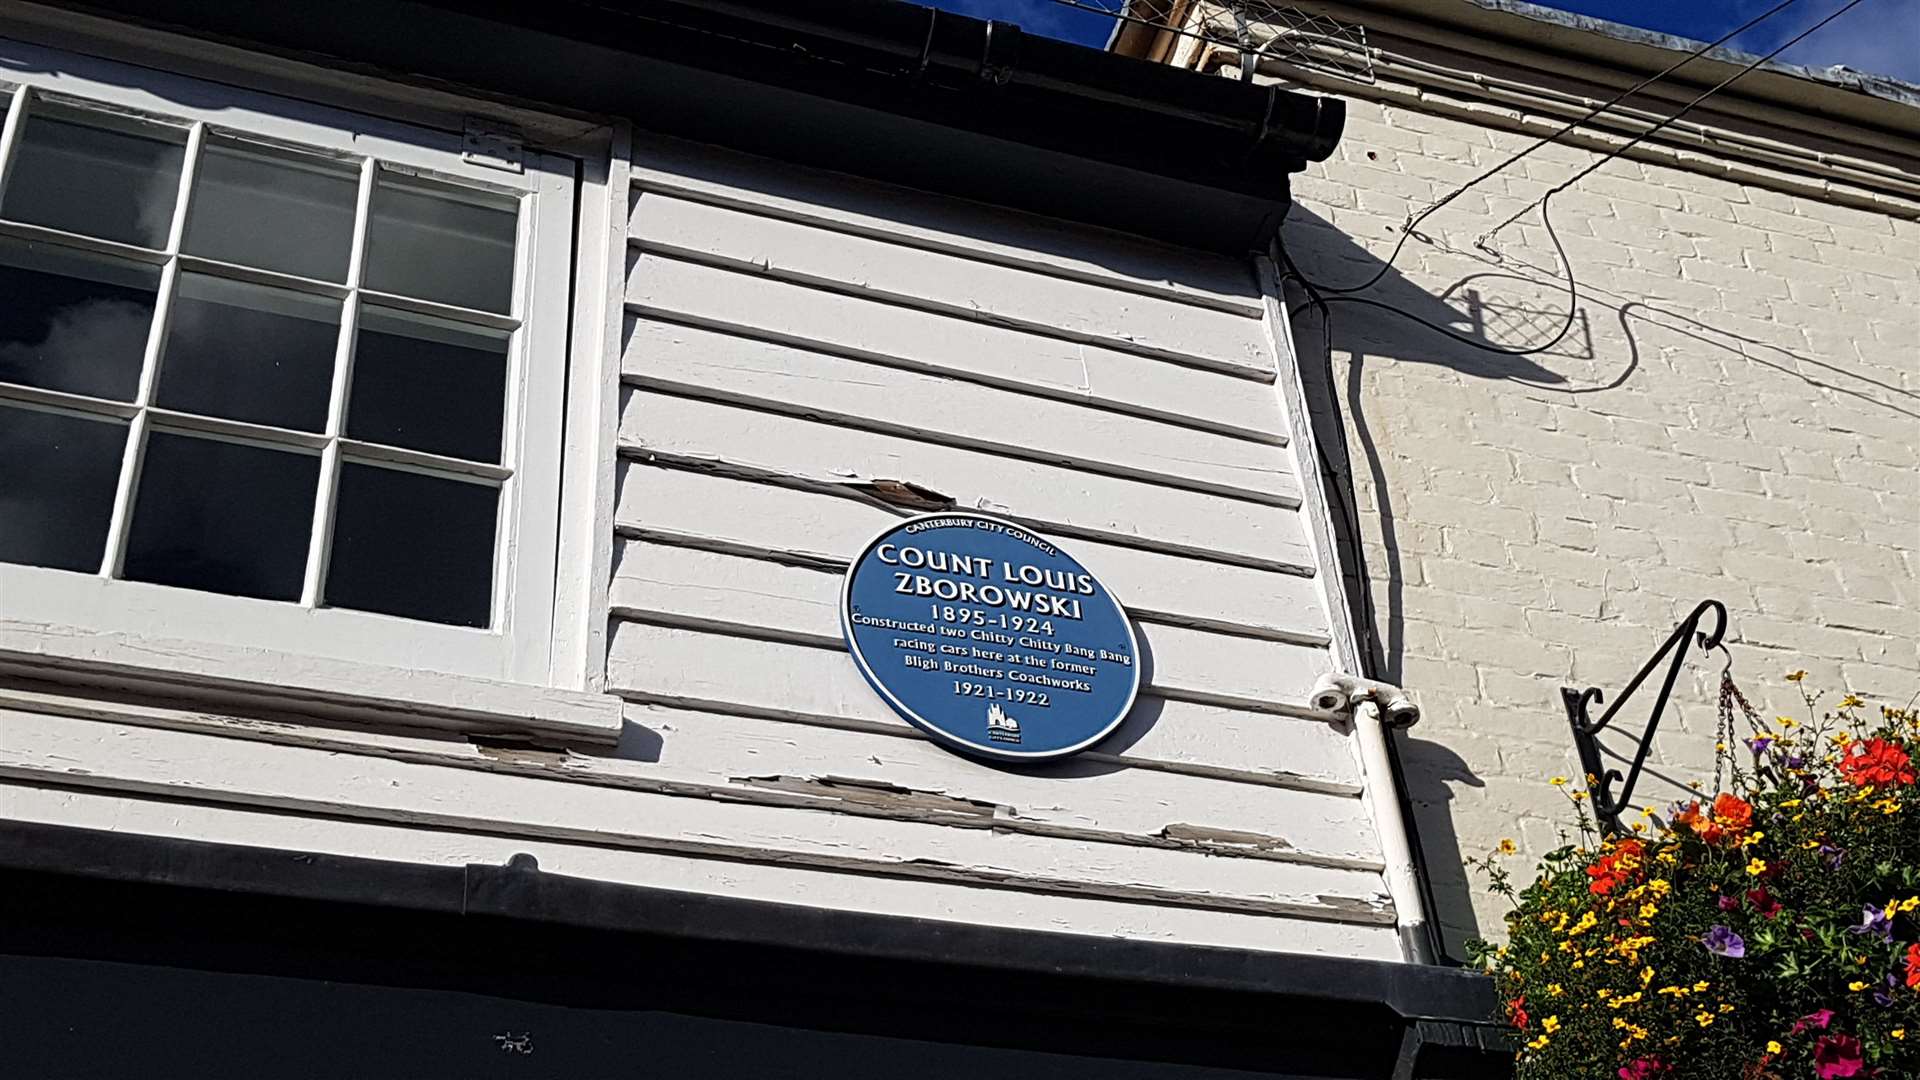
x: 1414, y: 220
x: 1684, y: 110
x: 1316, y: 292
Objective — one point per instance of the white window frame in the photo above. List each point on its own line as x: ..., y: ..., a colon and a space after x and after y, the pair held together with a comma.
x: 543, y: 648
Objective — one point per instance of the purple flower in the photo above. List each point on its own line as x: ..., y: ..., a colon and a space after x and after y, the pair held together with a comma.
x: 1795, y: 761
x: 1883, y: 997
x: 1721, y: 941
x: 1759, y: 743
x: 1832, y: 854
x: 1873, y: 921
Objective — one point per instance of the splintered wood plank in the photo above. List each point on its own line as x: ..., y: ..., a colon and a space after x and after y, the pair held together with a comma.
x: 946, y: 901
x: 209, y: 768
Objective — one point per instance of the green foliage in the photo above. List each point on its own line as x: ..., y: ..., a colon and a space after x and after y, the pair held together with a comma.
x: 1769, y: 932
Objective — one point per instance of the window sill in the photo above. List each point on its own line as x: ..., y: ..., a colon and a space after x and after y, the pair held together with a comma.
x: 256, y: 680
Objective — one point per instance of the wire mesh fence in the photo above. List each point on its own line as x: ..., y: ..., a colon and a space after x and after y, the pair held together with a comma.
x: 1257, y: 29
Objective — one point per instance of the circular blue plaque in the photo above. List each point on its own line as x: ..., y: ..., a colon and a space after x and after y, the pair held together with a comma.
x: 989, y: 638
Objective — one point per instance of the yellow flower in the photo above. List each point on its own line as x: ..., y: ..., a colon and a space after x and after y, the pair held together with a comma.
x: 1550, y: 1025
x: 1701, y: 986
x: 1851, y: 701
x: 1703, y: 1018
x: 1909, y: 903
x: 1856, y: 986
x: 1539, y: 1043
x: 1788, y: 721
x: 1555, y: 990
x: 1898, y: 1033
x: 1508, y: 847
x: 1756, y: 867
x: 1773, y: 1046
x: 1558, y: 781
x: 1796, y: 676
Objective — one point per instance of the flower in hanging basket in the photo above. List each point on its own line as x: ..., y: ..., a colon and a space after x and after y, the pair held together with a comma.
x: 1876, y: 763
x: 1766, y: 931
x: 1836, y: 1057
x: 1721, y: 941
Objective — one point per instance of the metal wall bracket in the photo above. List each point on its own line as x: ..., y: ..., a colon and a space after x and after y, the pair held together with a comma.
x: 1607, y: 806
x: 496, y: 146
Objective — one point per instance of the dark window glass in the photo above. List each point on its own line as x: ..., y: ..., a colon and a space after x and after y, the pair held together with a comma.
x: 427, y: 384
x: 222, y: 517
x: 247, y: 352
x: 74, y: 321
x: 99, y: 178
x: 413, y: 545
x: 285, y: 212
x: 57, y: 475
x: 433, y: 242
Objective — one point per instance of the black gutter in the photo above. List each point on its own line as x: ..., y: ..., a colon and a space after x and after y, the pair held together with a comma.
x: 880, y: 88
x: 522, y: 891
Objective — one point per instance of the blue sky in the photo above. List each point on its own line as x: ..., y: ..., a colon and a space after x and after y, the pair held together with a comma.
x: 1881, y: 36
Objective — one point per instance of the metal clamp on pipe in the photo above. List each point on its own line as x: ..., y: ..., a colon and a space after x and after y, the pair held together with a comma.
x: 1334, y: 692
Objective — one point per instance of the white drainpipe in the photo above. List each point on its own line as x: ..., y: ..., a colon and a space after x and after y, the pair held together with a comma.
x: 1375, y: 707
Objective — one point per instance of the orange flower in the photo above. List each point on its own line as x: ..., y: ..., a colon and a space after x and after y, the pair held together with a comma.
x: 1517, y: 1012
x: 1876, y: 763
x: 1913, y: 965
x: 1729, y: 819
x: 1616, y: 867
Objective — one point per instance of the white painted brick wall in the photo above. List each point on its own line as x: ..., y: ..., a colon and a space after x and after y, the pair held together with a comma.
x: 1734, y: 416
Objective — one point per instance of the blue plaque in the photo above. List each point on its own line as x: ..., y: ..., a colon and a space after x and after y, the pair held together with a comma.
x: 989, y: 638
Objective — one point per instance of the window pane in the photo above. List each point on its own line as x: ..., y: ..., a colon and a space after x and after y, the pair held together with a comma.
x: 275, y: 211
x: 249, y: 352
x: 57, y: 475
x: 428, y: 384
x: 413, y: 545
x: 73, y: 321
x: 435, y: 242
x: 222, y: 517
x: 117, y: 180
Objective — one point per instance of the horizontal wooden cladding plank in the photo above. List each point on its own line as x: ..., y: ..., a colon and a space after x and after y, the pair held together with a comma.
x: 904, y: 216
x: 953, y: 285
x: 905, y: 337
x: 737, y: 440
x: 725, y: 366
x: 872, y: 772
x: 38, y: 748
x: 693, y: 587
x: 708, y: 668
x: 824, y: 528
x: 1092, y: 798
x: 945, y: 901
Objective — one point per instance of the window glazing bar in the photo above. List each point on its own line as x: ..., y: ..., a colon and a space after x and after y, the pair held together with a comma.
x: 320, y: 537
x: 120, y: 522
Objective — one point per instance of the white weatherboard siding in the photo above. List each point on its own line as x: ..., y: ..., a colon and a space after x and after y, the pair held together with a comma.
x: 806, y: 360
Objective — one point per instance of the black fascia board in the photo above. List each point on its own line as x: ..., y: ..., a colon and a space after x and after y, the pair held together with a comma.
x: 1461, y: 1002
x: 878, y: 88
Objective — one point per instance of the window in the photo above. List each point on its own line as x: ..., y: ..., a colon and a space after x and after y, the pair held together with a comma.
x: 276, y: 376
